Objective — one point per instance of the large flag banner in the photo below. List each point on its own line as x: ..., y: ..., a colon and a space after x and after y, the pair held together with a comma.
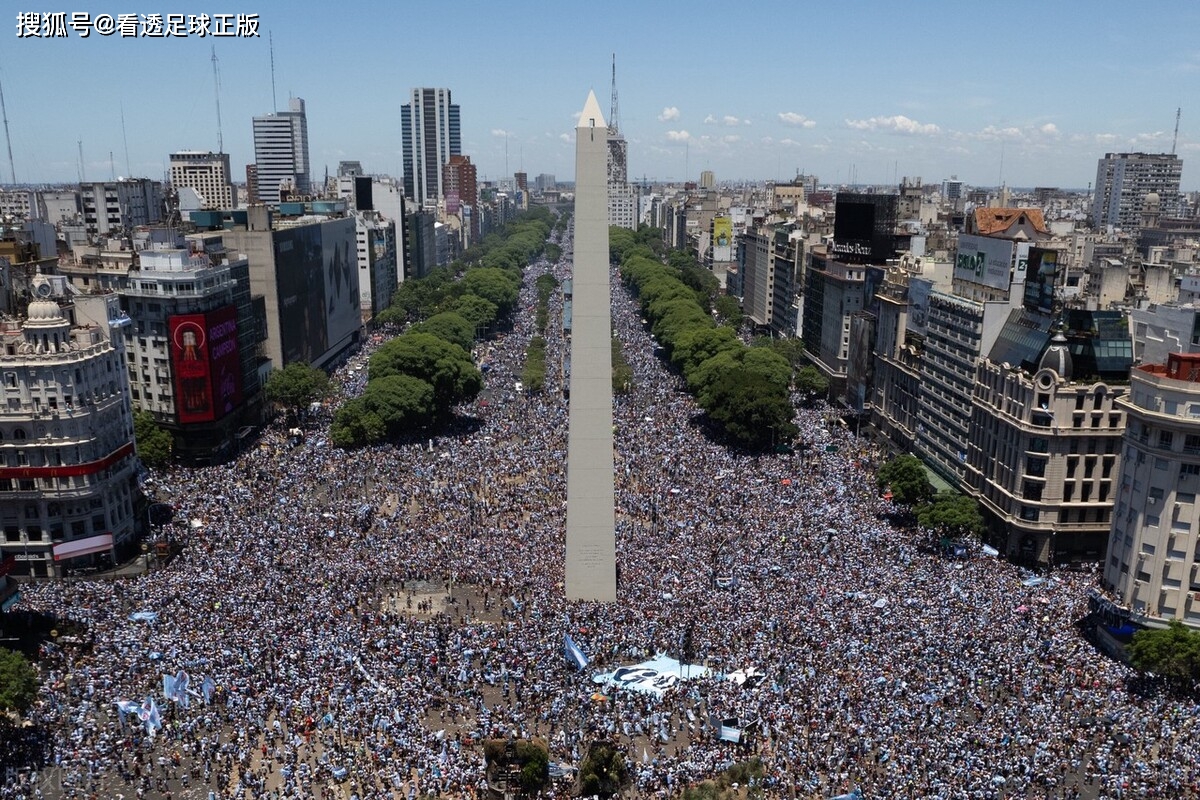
x: 573, y: 653
x: 125, y: 708
x: 654, y: 676
x: 207, y: 687
x: 169, y: 690
x: 182, y: 681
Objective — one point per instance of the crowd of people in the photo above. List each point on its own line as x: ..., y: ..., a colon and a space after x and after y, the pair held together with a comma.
x: 340, y: 672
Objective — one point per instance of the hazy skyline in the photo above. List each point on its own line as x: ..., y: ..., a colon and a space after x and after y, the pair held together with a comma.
x: 1025, y: 93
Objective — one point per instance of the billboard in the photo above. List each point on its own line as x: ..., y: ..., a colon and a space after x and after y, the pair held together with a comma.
x: 864, y: 227
x: 1022, y: 262
x: 722, y: 239
x: 918, y: 305
x: 206, y: 364
x: 1041, y: 280
x: 316, y: 276
x: 982, y: 259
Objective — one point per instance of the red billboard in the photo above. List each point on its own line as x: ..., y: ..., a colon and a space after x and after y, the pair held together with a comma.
x: 206, y: 363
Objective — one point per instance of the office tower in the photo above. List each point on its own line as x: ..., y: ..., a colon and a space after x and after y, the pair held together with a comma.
x: 430, y: 135
x: 113, y: 208
x: 461, y: 186
x: 207, y: 174
x: 1124, y: 179
x: 708, y: 179
x: 281, y: 152
x: 591, y: 540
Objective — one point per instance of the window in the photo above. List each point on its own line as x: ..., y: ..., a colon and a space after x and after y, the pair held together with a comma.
x: 1039, y: 444
x: 1029, y: 513
x: 1151, y: 521
x: 1165, y: 439
x: 1189, y: 469
x: 1035, y: 467
x: 1185, y: 497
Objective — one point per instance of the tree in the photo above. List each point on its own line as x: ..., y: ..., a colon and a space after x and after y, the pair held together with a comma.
x: 906, y: 477
x: 696, y: 345
x: 754, y: 413
x: 494, y: 285
x: 475, y: 310
x: 446, y: 367
x: 622, y: 373
x: 296, y: 386
x: 154, y: 445
x: 449, y: 326
x: 729, y: 310
x: 18, y: 682
x: 1173, y: 653
x: 603, y: 772
x: 951, y: 513
x: 390, y: 406
x: 811, y: 383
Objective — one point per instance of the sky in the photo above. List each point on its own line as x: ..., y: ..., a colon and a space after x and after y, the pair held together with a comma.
x: 1021, y: 93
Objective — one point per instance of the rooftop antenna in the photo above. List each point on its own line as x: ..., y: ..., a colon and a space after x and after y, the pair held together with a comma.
x: 82, y: 174
x: 1174, y: 141
x: 112, y: 167
x: 271, y: 43
x: 217, y: 89
x: 8, y: 140
x: 1001, y: 181
x: 125, y: 138
x: 612, y: 114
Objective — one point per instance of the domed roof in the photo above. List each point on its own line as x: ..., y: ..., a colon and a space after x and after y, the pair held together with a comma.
x: 1058, y: 357
x: 44, y: 311
x: 1152, y: 199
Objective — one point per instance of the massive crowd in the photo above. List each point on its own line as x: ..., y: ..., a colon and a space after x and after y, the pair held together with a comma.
x: 883, y: 666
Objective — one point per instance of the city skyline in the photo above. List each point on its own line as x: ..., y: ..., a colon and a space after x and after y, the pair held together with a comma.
x: 866, y: 95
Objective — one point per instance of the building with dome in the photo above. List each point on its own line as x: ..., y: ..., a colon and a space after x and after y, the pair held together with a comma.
x: 1123, y: 182
x: 68, y: 485
x: 1043, y: 457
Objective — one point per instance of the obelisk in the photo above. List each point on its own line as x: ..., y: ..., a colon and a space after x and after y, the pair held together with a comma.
x: 591, y: 554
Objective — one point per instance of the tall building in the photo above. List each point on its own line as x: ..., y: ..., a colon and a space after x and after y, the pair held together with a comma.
x: 113, y: 208
x: 281, y: 153
x: 430, y: 134
x: 193, y: 346
x: 462, y: 189
x: 1124, y: 179
x: 590, y: 536
x: 207, y: 174
x: 68, y: 484
x: 1151, y: 564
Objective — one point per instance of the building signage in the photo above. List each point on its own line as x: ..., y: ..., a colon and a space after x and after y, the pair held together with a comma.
x: 982, y: 259
x: 206, y: 363
x: 851, y: 249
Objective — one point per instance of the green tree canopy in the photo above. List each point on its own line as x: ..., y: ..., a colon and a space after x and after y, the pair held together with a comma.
x: 754, y: 413
x: 603, y: 772
x: 494, y: 285
x: 390, y: 406
x: 154, y: 444
x: 696, y: 345
x: 729, y: 310
x: 951, y: 513
x: 450, y: 326
x: 447, y: 367
x: 1173, y: 653
x: 18, y: 682
x: 296, y: 386
x: 906, y: 477
x: 811, y: 383
x: 475, y: 310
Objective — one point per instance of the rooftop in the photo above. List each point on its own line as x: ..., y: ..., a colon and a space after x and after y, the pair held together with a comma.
x: 991, y: 221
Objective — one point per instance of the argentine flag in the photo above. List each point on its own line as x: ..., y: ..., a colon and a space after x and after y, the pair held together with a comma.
x: 573, y: 653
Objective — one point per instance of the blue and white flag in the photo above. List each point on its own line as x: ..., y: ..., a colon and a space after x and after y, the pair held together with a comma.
x: 125, y: 708
x: 207, y: 687
x: 182, y: 681
x: 168, y: 687
x: 573, y: 653
x: 144, y: 616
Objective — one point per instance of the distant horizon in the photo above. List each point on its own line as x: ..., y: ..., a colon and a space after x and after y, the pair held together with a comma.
x: 871, y: 93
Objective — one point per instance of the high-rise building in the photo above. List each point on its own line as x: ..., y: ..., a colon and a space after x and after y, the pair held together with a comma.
x: 708, y: 179
x: 281, y: 152
x: 1124, y: 179
x: 1151, y: 562
x: 430, y: 133
x: 68, y: 469
x: 461, y: 188
x: 207, y: 174
x: 113, y: 208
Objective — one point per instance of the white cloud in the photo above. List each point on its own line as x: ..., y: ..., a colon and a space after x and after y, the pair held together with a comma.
x: 896, y: 124
x: 796, y: 120
x: 499, y: 133
x: 565, y: 137
x: 730, y: 121
x: 678, y: 136
x: 732, y: 138
x: 1050, y: 129
x: 669, y: 113
x: 710, y: 120
x: 992, y: 133
x: 1106, y: 138
x: 787, y: 142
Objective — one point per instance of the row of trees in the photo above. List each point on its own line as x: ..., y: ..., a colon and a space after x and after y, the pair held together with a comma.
x: 951, y: 513
x: 415, y: 380
x: 746, y: 390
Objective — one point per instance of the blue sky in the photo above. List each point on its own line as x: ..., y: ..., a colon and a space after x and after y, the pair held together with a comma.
x: 1031, y: 93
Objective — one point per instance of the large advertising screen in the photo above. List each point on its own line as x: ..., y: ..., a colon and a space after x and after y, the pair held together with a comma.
x: 317, y: 277
x: 1041, y: 280
x: 722, y: 239
x: 918, y: 304
x: 984, y: 260
x: 863, y: 227
x: 206, y: 364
